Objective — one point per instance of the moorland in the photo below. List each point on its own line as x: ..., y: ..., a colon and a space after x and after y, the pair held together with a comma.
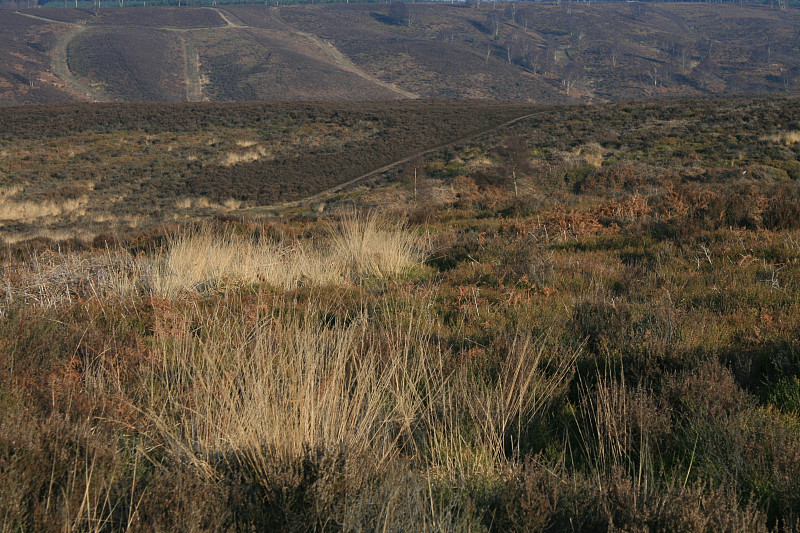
x: 257, y: 275
x: 584, y: 319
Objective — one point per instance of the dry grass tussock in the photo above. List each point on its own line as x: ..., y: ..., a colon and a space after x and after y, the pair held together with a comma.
x: 246, y: 156
x: 27, y: 210
x: 266, y: 392
x: 355, y: 249
x: 51, y: 279
x: 246, y: 143
x: 787, y: 137
x: 204, y: 203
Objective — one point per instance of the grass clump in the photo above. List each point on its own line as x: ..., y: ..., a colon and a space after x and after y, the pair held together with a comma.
x: 354, y: 249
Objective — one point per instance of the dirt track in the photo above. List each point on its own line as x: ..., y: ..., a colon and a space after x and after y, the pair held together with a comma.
x: 325, y: 194
x: 60, y: 67
x: 194, y: 86
x: 341, y: 60
x: 60, y: 63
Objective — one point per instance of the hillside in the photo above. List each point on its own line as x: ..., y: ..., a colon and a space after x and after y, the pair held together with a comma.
x: 519, y: 52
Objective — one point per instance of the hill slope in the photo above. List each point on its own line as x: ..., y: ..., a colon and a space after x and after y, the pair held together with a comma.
x: 517, y: 52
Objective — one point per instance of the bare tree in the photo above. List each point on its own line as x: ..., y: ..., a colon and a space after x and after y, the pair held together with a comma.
x: 534, y: 60
x: 554, y: 53
x: 640, y: 11
x: 518, y: 161
x: 511, y: 11
x: 494, y: 20
x: 789, y: 77
x: 526, y: 48
x: 652, y: 72
x: 524, y: 18
x: 580, y: 36
x: 614, y: 53
x: 511, y: 45
x: 683, y: 55
x: 572, y: 75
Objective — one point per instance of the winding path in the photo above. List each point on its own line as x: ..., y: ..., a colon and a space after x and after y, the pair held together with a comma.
x: 194, y: 92
x: 326, y: 193
x: 60, y: 66
x: 59, y: 63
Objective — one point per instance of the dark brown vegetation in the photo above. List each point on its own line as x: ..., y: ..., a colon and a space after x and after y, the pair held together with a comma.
x: 130, y: 64
x: 527, y: 52
x: 611, y: 346
x: 271, y: 64
x: 599, y: 51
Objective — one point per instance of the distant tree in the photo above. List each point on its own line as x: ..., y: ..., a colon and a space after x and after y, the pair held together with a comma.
x: 517, y: 158
x: 572, y: 74
x: 511, y: 11
x: 400, y: 13
x: 526, y: 48
x: 447, y: 35
x: 494, y: 20
x: 525, y: 17
x: 654, y: 75
x: 641, y: 11
x: 789, y: 77
x: 534, y: 59
x: 510, y: 46
x: 706, y: 49
x: 683, y: 54
x: 614, y: 53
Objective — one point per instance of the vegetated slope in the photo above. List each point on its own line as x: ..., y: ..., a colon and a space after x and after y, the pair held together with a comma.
x: 130, y: 64
x: 141, y: 164
x: 273, y: 64
x: 601, y: 50
x: 516, y: 51
x: 113, y: 160
x: 418, y: 58
x: 25, y: 45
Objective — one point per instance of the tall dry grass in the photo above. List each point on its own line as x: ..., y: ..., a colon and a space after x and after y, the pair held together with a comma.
x: 266, y: 393
x: 11, y: 210
x: 286, y: 385
x: 786, y: 137
x: 356, y: 248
